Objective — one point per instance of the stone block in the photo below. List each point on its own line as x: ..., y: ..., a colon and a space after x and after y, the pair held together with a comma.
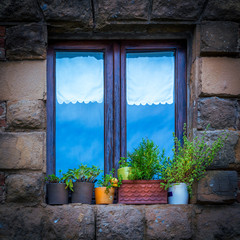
x: 226, y: 155
x: 3, y: 122
x: 75, y: 221
x: 169, y: 222
x: 218, y: 113
x: 25, y: 188
x: 20, y: 222
x: 2, y: 178
x: 23, y: 80
x: 22, y: 150
x: 219, y: 38
x: 2, y: 194
x: 107, y: 12
x: 238, y: 192
x: 26, y: 114
x: 2, y: 42
x: 2, y: 54
x: 176, y: 10
x: 218, y: 187
x: 119, y: 222
x: 222, y: 10
x: 24, y: 10
x: 72, y: 11
x: 220, y: 76
x: 28, y: 41
x: 2, y: 31
x: 237, y: 151
x: 218, y: 222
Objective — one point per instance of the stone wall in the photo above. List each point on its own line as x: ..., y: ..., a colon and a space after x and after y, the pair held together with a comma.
x: 212, y: 31
x: 80, y: 221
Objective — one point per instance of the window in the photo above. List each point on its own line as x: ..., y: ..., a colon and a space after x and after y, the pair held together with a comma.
x: 104, y: 96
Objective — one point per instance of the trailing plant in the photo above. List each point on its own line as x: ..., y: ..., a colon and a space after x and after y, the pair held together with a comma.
x: 52, y: 178
x: 81, y: 174
x: 144, y: 161
x: 109, y: 181
x: 190, y: 160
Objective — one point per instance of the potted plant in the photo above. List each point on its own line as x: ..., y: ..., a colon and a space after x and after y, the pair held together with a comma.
x: 104, y: 194
x: 56, y: 189
x: 81, y: 182
x: 124, y: 169
x: 188, y: 165
x: 144, y: 185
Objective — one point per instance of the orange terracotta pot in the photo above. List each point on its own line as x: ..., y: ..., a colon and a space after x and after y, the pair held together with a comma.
x: 102, y: 197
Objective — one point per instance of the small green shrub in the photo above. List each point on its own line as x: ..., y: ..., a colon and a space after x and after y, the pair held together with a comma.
x: 123, y: 162
x: 190, y: 160
x: 144, y: 161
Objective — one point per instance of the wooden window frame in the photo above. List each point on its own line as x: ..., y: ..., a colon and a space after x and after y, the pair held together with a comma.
x: 115, y: 91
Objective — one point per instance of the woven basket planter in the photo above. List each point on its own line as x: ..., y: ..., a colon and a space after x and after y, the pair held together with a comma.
x: 141, y: 192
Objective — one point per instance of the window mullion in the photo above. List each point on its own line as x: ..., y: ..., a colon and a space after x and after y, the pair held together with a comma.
x: 123, y: 118
x: 116, y: 103
x: 108, y: 110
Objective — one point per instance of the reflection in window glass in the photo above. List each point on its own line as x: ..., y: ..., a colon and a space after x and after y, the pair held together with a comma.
x: 79, y: 109
x: 150, y: 99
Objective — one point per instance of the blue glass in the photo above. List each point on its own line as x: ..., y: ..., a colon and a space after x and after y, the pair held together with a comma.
x: 150, y: 99
x: 79, y: 109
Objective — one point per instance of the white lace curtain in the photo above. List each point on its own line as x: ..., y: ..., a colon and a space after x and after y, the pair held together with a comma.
x: 150, y: 80
x: 79, y: 78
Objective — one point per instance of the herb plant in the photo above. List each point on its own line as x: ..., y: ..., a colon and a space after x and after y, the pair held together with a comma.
x: 144, y: 161
x: 54, y: 179
x: 123, y: 162
x: 81, y: 174
x: 190, y: 160
x: 107, y: 182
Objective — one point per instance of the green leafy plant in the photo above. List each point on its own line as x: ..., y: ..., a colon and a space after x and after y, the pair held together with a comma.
x: 123, y: 162
x: 190, y: 160
x: 81, y: 174
x: 54, y: 179
x: 108, y: 181
x: 144, y: 161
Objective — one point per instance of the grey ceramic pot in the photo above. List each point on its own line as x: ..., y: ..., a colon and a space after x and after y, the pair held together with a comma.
x: 57, y: 194
x: 83, y: 192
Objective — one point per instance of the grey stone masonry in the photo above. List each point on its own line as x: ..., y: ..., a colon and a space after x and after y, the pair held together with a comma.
x: 218, y: 187
x: 226, y: 155
x: 75, y: 11
x: 22, y: 150
x: 24, y: 10
x: 118, y: 222
x: 26, y: 41
x: 169, y: 222
x: 217, y: 222
x: 177, y: 9
x: 25, y: 188
x: 26, y: 114
x: 218, y: 113
x: 222, y: 10
x: 112, y: 11
x: 3, y: 121
x: 81, y: 222
x: 73, y: 221
x: 219, y: 38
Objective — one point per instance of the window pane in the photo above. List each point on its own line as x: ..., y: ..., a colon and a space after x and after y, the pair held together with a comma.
x: 150, y: 99
x: 79, y: 109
